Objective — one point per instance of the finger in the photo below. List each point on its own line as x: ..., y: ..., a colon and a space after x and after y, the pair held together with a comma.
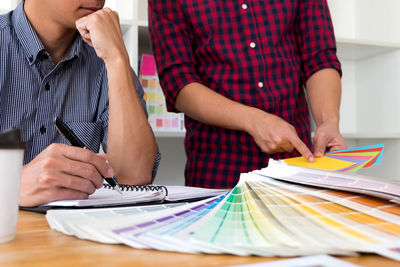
x: 81, y: 26
x: 76, y: 161
x: 337, y: 147
x: 54, y: 179
x: 86, y: 37
x: 303, y: 149
x: 83, y: 170
x: 85, y: 155
x: 319, y: 147
x: 287, y: 147
x: 62, y: 193
x: 103, y: 156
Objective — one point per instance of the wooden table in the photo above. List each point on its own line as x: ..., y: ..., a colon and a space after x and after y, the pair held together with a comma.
x: 37, y: 245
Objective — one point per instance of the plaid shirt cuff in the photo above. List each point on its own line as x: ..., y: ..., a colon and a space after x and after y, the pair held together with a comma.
x: 174, y: 79
x: 322, y: 60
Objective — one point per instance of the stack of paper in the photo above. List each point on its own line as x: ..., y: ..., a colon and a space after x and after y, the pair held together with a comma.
x: 354, y: 183
x: 263, y: 215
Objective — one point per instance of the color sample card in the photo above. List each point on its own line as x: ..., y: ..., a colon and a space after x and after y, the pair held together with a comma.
x: 335, y: 180
x: 343, y: 160
x: 159, y: 118
x: 390, y: 250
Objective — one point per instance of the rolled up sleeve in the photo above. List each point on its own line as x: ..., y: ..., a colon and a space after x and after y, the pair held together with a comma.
x: 171, y: 40
x: 315, y: 38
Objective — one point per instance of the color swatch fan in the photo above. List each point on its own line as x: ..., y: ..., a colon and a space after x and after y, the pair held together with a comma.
x: 343, y: 160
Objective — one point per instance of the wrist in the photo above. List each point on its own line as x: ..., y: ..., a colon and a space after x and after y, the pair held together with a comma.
x: 118, y: 59
x: 250, y: 118
x: 334, y: 121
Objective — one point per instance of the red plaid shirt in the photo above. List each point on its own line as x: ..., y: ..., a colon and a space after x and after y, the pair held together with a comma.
x: 256, y: 52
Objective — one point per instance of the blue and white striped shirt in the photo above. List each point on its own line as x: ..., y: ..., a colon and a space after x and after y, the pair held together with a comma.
x: 33, y: 92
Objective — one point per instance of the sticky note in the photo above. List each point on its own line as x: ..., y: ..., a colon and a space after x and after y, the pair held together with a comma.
x: 150, y: 109
x: 152, y: 97
x: 159, y: 110
x: 148, y: 65
x: 159, y: 97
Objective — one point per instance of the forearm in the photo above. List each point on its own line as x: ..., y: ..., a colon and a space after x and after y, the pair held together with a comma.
x: 203, y: 104
x: 131, y: 144
x: 131, y: 147
x: 324, y: 94
x: 271, y: 133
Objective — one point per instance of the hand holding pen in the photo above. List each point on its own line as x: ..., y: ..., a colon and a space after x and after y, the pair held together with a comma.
x: 75, y: 141
x: 62, y: 172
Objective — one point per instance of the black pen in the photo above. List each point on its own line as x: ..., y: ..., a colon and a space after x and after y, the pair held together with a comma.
x: 75, y: 141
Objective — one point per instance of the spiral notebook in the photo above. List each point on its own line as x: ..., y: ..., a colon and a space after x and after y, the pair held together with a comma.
x: 107, y: 196
x: 135, y: 194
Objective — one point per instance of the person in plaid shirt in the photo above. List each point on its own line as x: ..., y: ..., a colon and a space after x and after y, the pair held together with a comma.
x: 238, y: 70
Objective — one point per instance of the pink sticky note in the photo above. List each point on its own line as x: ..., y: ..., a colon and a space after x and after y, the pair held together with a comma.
x: 148, y: 67
x: 175, y: 123
x: 167, y: 123
x: 159, y: 123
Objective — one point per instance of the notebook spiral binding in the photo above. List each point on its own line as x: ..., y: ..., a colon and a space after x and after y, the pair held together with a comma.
x: 125, y: 187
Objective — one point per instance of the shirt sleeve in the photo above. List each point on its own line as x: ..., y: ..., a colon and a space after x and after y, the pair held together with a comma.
x: 315, y: 38
x: 172, y: 40
x: 104, y: 115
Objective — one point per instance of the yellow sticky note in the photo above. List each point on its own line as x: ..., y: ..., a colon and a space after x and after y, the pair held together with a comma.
x: 322, y: 163
x: 152, y: 97
x: 159, y: 97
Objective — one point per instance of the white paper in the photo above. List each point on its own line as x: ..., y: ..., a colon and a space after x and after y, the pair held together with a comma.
x: 308, y: 261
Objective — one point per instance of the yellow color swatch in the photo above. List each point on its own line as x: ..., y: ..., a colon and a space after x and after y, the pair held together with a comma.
x: 159, y: 97
x: 152, y: 97
x: 322, y: 163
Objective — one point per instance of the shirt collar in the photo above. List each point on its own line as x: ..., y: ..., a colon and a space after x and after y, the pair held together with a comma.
x: 31, y: 42
x: 76, y: 48
x: 26, y: 35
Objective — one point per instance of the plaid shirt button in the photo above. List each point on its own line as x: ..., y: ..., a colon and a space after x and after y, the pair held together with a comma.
x: 252, y: 44
x: 260, y: 84
x: 244, y: 6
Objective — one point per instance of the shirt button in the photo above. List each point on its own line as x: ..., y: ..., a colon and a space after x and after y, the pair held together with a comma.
x: 42, y: 129
x: 47, y: 87
x: 260, y: 84
x: 252, y: 44
x: 244, y: 6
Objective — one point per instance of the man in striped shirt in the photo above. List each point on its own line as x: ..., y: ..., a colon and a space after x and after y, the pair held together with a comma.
x: 67, y: 59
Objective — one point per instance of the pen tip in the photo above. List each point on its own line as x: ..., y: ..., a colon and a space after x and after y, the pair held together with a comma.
x: 118, y: 189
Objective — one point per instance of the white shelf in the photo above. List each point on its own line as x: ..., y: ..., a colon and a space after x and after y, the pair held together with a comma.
x: 356, y: 49
x: 171, y: 134
x: 142, y: 23
x: 126, y: 24
x: 3, y: 11
x: 371, y: 135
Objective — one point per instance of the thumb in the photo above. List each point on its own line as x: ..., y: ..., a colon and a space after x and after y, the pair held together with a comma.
x: 319, y: 148
x: 102, y: 155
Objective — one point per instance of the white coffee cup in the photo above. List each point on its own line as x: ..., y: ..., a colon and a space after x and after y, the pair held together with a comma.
x: 11, y: 160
